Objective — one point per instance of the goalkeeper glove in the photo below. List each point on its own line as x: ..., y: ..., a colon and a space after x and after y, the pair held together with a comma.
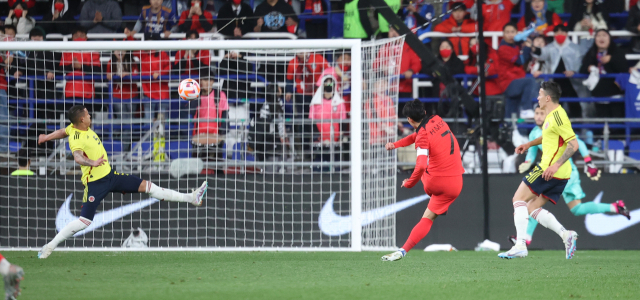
x: 525, y: 166
x: 591, y: 170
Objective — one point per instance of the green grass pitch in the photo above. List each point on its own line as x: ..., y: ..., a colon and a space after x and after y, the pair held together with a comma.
x: 328, y: 275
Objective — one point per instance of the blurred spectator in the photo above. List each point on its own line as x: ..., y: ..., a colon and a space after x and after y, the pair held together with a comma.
x: 4, y: 109
x: 275, y: 16
x: 80, y: 64
x: 542, y: 19
x: 195, y: 18
x: 302, y: 73
x: 383, y: 24
x: 181, y: 6
x: 458, y: 23
x: 234, y: 63
x: 452, y: 63
x: 209, y: 130
x: 9, y: 32
x: 633, y: 25
x: 409, y: 65
x: 496, y: 13
x: 156, y: 91
x: 535, y: 66
x: 20, y: 17
x: 327, y: 103
x: 192, y: 62
x: 28, y: 4
x: 316, y: 28
x: 101, y: 16
x: 270, y: 133
x: 123, y: 64
x: 44, y: 64
x: 243, y: 15
x: 556, y: 6
x: 60, y: 18
x: 587, y: 15
x: 416, y: 15
x: 24, y: 163
x: 356, y: 24
x: 563, y: 57
x: 132, y: 8
x: 605, y: 57
x: 342, y: 68
x: 155, y: 19
x: 519, y: 91
x: 492, y: 84
x: 384, y: 126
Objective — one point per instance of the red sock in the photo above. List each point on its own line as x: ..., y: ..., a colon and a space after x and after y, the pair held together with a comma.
x: 1, y: 257
x: 418, y: 233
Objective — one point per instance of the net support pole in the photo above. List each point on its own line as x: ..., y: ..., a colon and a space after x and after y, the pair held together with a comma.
x: 356, y: 147
x: 485, y: 119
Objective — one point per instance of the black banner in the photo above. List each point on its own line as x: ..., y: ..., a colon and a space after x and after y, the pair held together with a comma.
x: 462, y: 226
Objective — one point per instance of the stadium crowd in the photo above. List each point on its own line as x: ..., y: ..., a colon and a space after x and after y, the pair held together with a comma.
x: 533, y: 45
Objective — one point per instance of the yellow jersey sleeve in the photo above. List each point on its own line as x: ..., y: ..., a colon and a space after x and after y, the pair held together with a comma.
x: 75, y: 142
x: 563, y: 125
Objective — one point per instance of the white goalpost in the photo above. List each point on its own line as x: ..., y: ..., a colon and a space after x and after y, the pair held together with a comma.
x: 289, y: 134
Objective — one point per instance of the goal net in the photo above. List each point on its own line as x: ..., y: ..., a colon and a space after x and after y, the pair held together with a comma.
x: 289, y: 134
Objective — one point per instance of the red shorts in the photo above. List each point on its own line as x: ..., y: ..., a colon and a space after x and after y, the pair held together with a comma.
x: 443, y: 191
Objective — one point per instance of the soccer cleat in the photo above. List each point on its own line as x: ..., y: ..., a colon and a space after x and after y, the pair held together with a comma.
x: 516, y: 251
x: 569, y: 237
x: 198, y: 194
x: 12, y: 282
x: 513, y: 239
x: 622, y: 209
x: 45, y: 251
x: 394, y: 256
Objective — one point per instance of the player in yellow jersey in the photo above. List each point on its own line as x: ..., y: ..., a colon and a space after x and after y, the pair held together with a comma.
x: 548, y: 179
x: 98, y: 178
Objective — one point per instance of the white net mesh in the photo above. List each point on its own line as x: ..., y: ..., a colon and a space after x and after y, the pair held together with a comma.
x: 270, y: 133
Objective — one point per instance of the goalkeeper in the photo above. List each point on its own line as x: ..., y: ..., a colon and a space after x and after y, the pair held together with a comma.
x: 573, y: 193
x: 98, y: 178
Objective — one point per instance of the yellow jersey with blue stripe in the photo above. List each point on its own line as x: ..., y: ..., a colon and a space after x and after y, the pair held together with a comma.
x: 556, y: 133
x: 88, y: 142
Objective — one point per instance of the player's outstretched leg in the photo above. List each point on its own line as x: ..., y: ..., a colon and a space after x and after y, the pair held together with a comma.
x: 586, y: 208
x: 520, y: 220
x: 417, y: 234
x: 548, y: 220
x: 195, y: 197
x: 66, y: 232
x: 12, y: 276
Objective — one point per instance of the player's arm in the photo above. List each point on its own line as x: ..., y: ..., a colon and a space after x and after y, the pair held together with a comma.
x: 524, y: 147
x: 404, y: 142
x: 82, y: 160
x: 589, y: 167
x: 572, y: 147
x: 56, y: 135
x: 421, y: 166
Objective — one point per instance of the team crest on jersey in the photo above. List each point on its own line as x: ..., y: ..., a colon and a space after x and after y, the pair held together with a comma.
x: 91, y: 199
x: 546, y: 125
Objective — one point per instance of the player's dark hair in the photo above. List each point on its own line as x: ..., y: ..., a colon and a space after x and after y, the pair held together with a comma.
x: 552, y: 89
x: 536, y: 106
x: 79, y: 29
x: 510, y: 24
x: 414, y: 110
x: 23, y: 158
x: 75, y: 113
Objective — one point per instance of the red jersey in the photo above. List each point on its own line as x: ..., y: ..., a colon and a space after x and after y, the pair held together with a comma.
x: 304, y: 74
x: 438, y: 150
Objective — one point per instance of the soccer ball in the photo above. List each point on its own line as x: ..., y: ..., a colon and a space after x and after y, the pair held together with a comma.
x: 189, y: 89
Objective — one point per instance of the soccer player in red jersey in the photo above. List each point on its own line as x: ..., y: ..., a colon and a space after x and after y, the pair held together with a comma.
x: 439, y: 165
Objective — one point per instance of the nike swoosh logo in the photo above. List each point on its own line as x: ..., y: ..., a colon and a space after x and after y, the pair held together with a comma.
x: 65, y: 216
x: 333, y: 224
x: 602, y: 225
